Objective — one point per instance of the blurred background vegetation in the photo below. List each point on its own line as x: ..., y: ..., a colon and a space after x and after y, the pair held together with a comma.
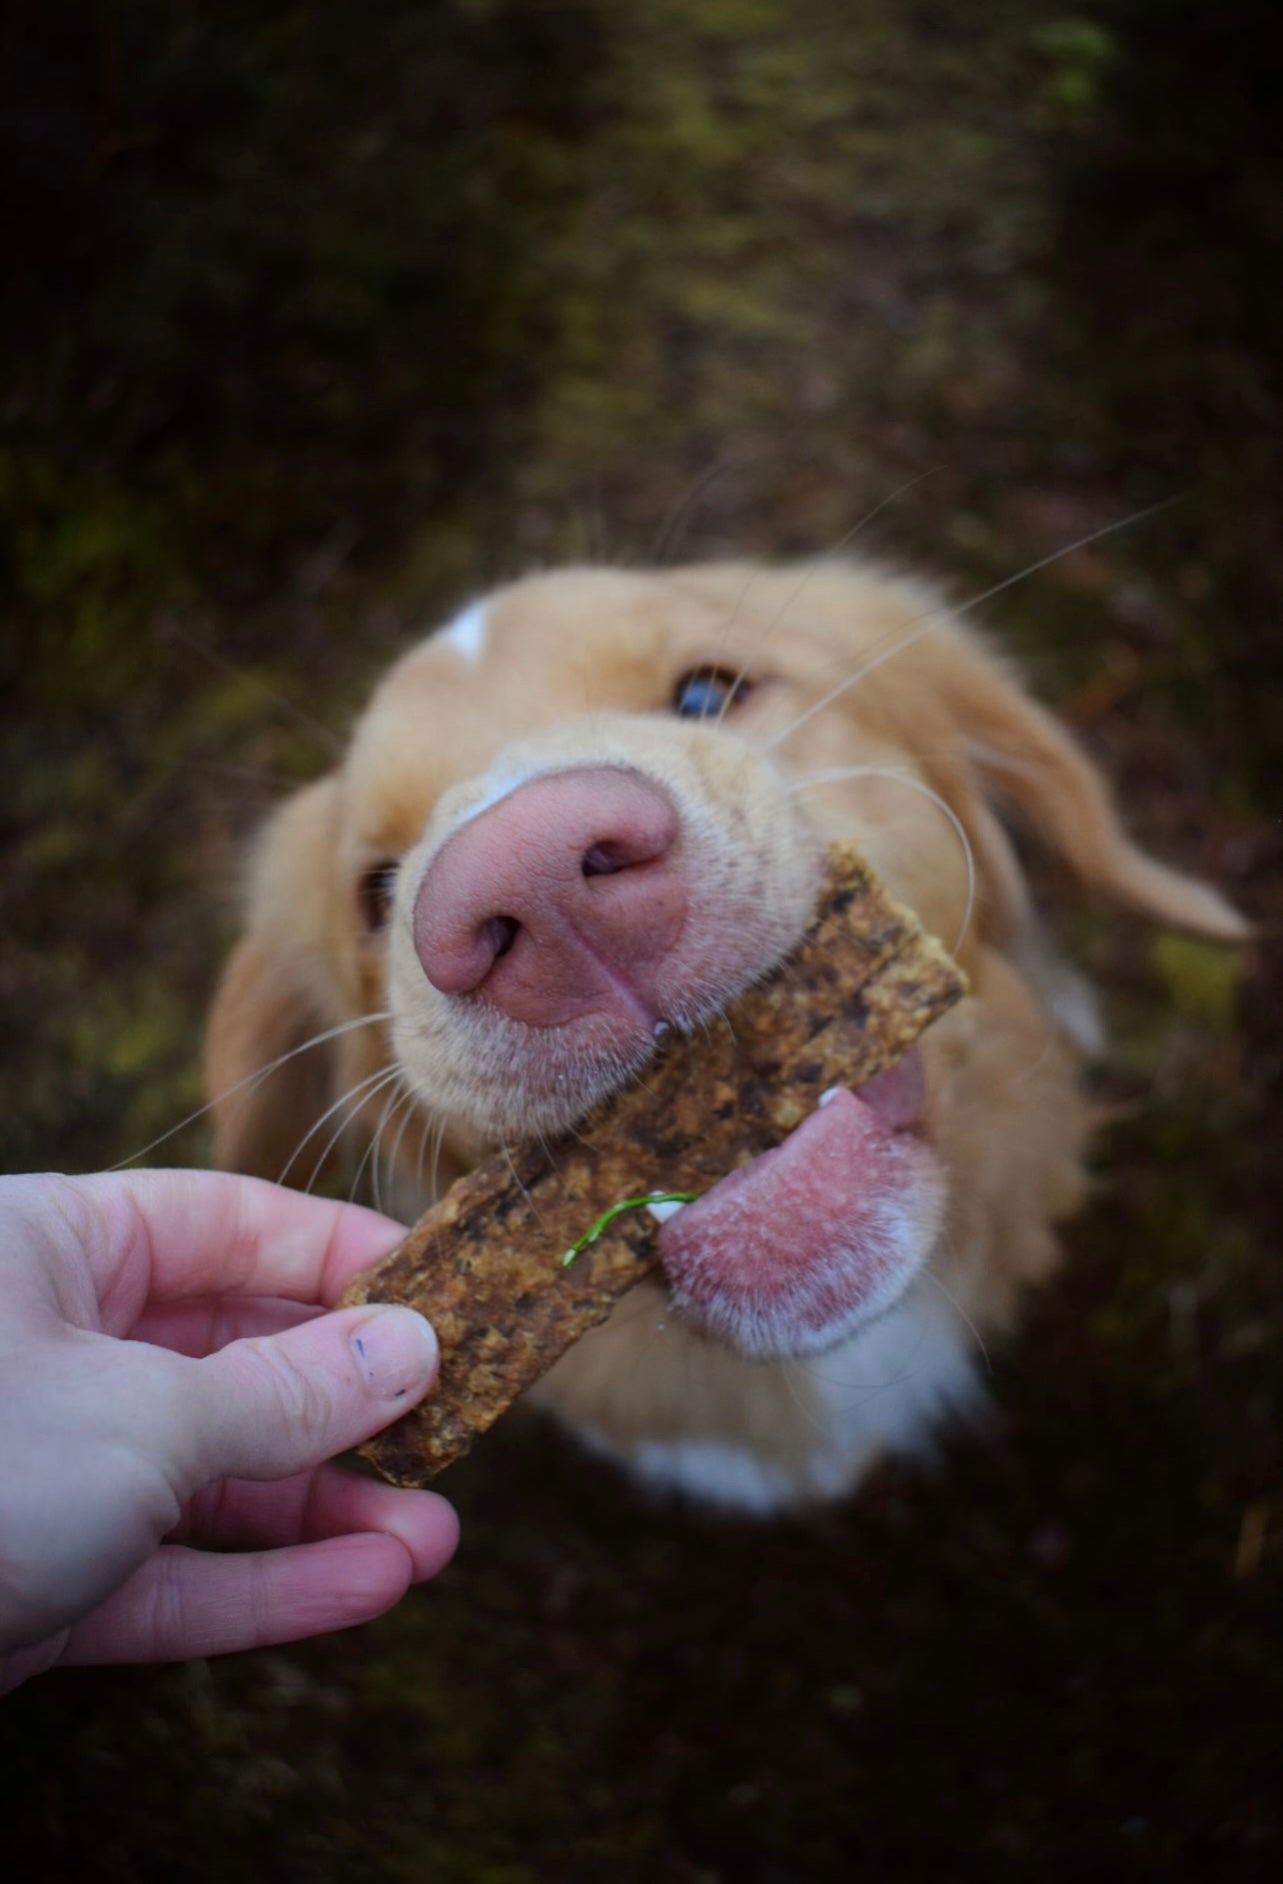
x: 318, y: 318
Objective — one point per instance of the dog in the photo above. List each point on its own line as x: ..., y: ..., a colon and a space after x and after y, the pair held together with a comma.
x: 592, y: 807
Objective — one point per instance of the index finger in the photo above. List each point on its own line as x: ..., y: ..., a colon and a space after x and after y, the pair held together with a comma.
x: 164, y: 1235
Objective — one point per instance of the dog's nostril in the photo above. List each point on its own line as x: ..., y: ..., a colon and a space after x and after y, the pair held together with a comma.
x: 604, y: 860
x: 501, y: 933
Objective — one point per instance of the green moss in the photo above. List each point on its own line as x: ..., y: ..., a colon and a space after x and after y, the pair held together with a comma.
x: 1082, y: 56
x: 1202, y: 979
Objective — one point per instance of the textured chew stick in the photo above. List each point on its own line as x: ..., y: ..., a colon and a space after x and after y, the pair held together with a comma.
x: 486, y: 1266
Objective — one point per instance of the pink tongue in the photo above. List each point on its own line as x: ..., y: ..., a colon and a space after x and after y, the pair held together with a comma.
x: 810, y: 1240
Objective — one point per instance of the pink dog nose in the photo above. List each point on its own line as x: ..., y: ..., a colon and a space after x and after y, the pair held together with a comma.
x: 559, y: 901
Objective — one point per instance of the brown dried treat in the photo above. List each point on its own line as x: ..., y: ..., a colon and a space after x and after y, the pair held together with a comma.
x: 487, y: 1265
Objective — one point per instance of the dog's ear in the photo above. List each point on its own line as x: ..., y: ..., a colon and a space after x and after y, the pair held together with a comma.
x: 1018, y: 761
x: 273, y: 995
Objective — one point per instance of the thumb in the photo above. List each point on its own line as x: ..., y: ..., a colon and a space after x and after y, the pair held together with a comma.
x: 273, y: 1405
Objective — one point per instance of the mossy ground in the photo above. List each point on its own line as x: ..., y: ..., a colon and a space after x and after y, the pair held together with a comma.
x: 323, y: 317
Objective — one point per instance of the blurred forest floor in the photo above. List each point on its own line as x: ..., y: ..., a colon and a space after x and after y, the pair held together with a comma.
x: 316, y: 320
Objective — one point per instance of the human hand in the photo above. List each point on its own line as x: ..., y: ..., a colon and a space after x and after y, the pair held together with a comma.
x: 169, y: 1374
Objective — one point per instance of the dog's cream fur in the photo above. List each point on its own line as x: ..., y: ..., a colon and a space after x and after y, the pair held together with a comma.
x: 873, y: 714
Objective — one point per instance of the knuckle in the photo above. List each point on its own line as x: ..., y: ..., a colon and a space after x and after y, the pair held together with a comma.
x: 295, y: 1398
x: 167, y: 1623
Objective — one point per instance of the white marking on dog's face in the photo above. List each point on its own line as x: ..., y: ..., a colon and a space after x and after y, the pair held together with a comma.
x: 467, y: 632
x: 502, y: 782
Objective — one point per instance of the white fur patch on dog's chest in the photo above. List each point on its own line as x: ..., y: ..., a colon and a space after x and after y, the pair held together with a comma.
x: 885, y: 1390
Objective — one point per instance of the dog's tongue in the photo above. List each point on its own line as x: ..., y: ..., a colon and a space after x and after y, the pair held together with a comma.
x: 794, y: 1251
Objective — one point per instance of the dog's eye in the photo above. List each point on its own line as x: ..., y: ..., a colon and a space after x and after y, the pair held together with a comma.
x: 707, y: 692
x: 374, y: 894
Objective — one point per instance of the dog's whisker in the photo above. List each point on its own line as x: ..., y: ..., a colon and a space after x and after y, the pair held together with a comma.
x: 727, y: 628
x: 869, y: 1390
x: 359, y: 1173
x: 256, y: 774
x: 670, y: 530
x: 346, y: 1122
x: 356, y: 1091
x: 841, y: 773
x: 808, y: 1413
x: 1040, y: 1059
x: 404, y: 1104
x: 516, y: 1178
x: 328, y: 737
x: 367, y: 1154
x: 596, y: 535
x: 928, y: 623
x: 438, y: 1145
x: 549, y: 1154
x: 643, y: 1310
x: 786, y: 607
x: 759, y: 569
x: 389, y: 1105
x: 952, y: 1299
x: 250, y: 1081
x: 422, y: 1151
x: 408, y: 1100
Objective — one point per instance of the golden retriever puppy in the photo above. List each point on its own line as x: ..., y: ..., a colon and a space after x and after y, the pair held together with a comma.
x: 591, y: 808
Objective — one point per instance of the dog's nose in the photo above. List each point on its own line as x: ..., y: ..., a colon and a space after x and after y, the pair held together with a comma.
x: 560, y: 900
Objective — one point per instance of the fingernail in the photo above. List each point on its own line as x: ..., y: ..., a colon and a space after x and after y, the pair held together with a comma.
x: 396, y: 1351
